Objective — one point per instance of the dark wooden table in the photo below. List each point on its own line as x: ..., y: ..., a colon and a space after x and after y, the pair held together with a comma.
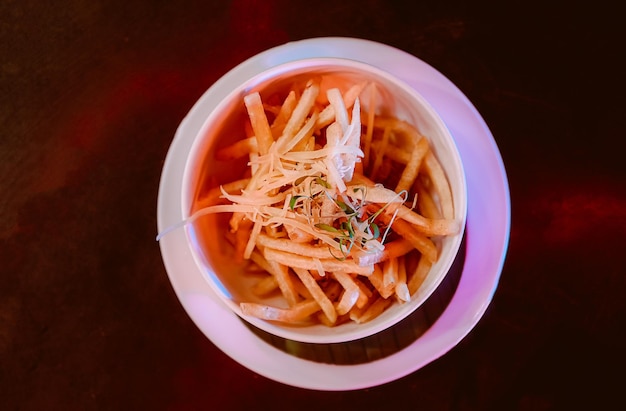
x: 91, y: 94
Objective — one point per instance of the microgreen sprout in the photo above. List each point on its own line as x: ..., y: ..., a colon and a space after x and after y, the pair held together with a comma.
x: 293, y: 200
x: 322, y: 182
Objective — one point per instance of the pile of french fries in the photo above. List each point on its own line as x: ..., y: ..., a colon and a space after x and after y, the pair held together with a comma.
x: 342, y: 209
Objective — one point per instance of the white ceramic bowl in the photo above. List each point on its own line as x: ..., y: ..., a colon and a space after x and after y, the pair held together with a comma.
x: 211, y: 251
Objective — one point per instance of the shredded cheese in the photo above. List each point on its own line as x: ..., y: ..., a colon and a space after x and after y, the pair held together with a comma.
x: 310, y: 192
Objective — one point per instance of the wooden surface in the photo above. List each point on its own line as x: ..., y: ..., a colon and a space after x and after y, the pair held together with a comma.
x: 91, y: 94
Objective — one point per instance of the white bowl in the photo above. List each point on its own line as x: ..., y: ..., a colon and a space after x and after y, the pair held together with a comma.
x: 211, y: 251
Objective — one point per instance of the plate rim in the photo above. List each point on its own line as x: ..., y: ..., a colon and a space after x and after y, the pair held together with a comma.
x: 198, y: 299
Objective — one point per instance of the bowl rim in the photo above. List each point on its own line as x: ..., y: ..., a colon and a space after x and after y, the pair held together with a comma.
x: 187, y: 190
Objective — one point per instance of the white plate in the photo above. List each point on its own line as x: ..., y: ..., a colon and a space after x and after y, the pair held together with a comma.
x: 487, y: 229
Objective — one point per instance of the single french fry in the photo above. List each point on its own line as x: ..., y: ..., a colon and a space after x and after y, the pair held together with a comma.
x: 334, y: 133
x: 301, y: 290
x: 254, y: 268
x: 329, y: 264
x: 333, y: 292
x: 242, y: 231
x: 251, y: 244
x: 380, y: 154
x: 392, y: 249
x: 364, y: 293
x: 259, y: 260
x: 297, y: 313
x: 265, y: 286
x: 239, y: 149
x: 357, y: 311
x: 299, y: 140
x: 390, y: 273
x: 339, y: 108
x: 271, y: 108
x: 285, y: 283
x: 369, y: 130
x: 286, y: 109
x: 347, y: 301
x: 402, y: 292
x: 407, y: 231
x: 254, y: 165
x: 259, y: 122
x: 419, y: 275
x: 328, y: 115
x: 317, y: 293
x: 439, y: 180
x: 299, y: 113
x: 350, y: 96
x: 411, y: 170
x: 346, y: 281
x: 294, y: 247
x: 352, y: 293
x: 401, y: 288
x: 389, y: 278
x: 299, y: 236
x: 401, y: 276
x: 426, y: 203
x: 377, y: 279
x: 374, y: 310
x: 358, y: 167
x: 373, y: 194
x: 400, y: 155
x: 426, y: 226
x: 403, y: 131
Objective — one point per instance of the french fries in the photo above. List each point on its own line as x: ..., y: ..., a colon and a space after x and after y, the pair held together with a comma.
x: 328, y: 208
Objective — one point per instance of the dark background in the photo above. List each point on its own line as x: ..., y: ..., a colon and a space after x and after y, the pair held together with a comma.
x: 91, y: 93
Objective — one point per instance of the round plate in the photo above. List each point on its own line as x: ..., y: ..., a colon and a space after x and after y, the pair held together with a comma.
x: 487, y: 228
